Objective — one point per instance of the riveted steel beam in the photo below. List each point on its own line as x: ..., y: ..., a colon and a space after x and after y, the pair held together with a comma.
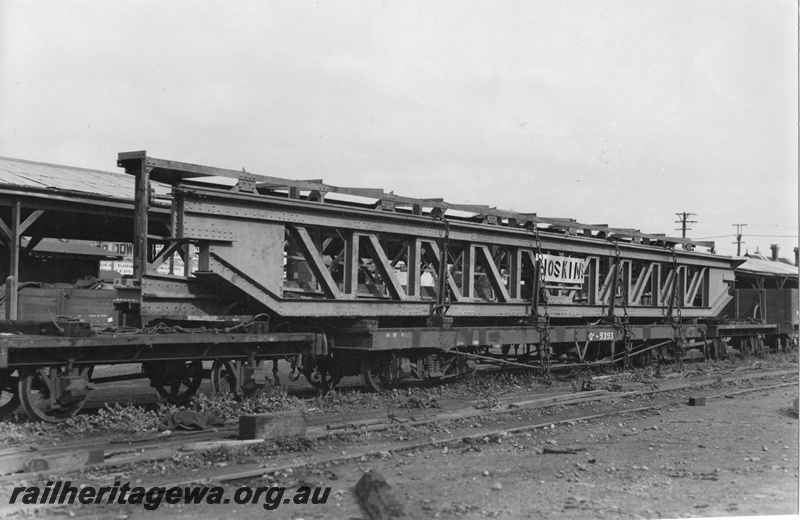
x: 484, y: 270
x: 173, y: 172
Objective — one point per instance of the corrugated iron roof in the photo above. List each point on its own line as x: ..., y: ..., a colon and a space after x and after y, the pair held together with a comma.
x: 19, y: 172
x: 51, y: 246
x: 766, y: 267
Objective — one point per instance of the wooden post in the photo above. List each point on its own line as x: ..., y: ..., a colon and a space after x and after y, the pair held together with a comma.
x: 13, y: 263
x: 351, y: 261
x: 414, y: 272
x: 515, y: 273
x: 11, y: 298
x: 13, y: 247
x: 467, y: 272
x: 141, y: 210
x: 292, y: 251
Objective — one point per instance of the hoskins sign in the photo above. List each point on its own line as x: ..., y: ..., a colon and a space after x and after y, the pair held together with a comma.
x: 563, y: 269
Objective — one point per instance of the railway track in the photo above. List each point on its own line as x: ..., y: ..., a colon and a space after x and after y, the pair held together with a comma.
x: 127, y: 452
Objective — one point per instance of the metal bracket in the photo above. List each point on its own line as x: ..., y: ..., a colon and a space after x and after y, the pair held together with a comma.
x: 246, y: 183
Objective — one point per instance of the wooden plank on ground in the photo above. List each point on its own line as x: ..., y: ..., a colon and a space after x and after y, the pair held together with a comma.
x: 30, y: 462
x: 272, y: 425
x: 211, y: 445
x: 559, y: 398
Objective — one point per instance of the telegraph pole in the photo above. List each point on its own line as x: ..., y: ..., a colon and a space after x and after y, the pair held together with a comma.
x: 738, y: 238
x: 684, y: 219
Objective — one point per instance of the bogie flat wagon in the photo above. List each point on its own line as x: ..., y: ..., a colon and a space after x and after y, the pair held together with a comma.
x: 353, y: 281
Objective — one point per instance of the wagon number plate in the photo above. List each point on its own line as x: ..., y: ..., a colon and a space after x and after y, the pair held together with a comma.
x: 603, y: 335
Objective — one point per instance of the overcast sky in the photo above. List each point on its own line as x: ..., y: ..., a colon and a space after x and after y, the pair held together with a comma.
x: 619, y: 112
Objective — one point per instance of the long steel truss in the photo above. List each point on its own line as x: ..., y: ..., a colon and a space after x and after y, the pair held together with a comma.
x: 301, y: 250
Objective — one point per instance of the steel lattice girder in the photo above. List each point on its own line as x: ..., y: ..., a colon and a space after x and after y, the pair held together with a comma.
x: 218, y: 204
x: 245, y: 238
x: 245, y: 241
x: 173, y: 172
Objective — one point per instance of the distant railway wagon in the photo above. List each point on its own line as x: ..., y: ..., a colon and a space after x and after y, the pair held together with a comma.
x: 352, y: 281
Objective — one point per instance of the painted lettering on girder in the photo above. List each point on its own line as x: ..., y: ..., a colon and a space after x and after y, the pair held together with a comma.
x: 563, y: 269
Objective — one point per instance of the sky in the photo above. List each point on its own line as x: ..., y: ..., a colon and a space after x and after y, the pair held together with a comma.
x: 618, y: 112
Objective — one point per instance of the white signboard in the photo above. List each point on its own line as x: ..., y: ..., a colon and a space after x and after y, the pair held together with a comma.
x: 563, y: 269
x: 125, y: 267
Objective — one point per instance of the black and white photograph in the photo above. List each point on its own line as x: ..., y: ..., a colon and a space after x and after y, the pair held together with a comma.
x: 371, y: 260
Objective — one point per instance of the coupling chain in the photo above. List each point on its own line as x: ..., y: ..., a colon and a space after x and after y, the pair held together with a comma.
x: 544, y: 354
x: 442, y: 293
x: 544, y: 347
x: 677, y: 323
x: 705, y: 345
x: 625, y: 323
x: 676, y: 291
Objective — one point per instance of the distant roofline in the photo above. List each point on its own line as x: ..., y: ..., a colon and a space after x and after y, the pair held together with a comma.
x: 54, y: 165
x: 111, y: 185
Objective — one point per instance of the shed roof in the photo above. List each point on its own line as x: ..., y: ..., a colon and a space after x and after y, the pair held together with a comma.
x: 18, y: 172
x: 762, y: 266
x: 32, y: 174
x: 54, y: 247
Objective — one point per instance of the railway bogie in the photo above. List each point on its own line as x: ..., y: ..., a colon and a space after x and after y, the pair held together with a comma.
x: 381, y: 370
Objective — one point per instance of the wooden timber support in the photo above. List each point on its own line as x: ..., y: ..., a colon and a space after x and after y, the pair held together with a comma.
x: 11, y: 236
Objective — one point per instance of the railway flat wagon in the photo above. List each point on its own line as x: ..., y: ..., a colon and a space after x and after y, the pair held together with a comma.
x: 352, y: 281
x: 408, y: 288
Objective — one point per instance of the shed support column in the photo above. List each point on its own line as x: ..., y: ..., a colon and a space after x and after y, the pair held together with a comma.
x: 11, y: 298
x: 13, y: 263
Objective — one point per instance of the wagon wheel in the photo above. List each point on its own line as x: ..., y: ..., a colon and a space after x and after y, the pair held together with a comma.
x: 9, y: 398
x: 325, y: 382
x: 325, y: 373
x: 749, y: 345
x: 224, y: 378
x: 315, y: 378
x: 225, y: 374
x: 35, y: 390
x: 375, y: 372
x: 722, y: 348
x: 175, y: 381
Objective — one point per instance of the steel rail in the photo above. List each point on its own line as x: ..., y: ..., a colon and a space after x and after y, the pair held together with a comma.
x: 475, y: 413
x: 451, y: 440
